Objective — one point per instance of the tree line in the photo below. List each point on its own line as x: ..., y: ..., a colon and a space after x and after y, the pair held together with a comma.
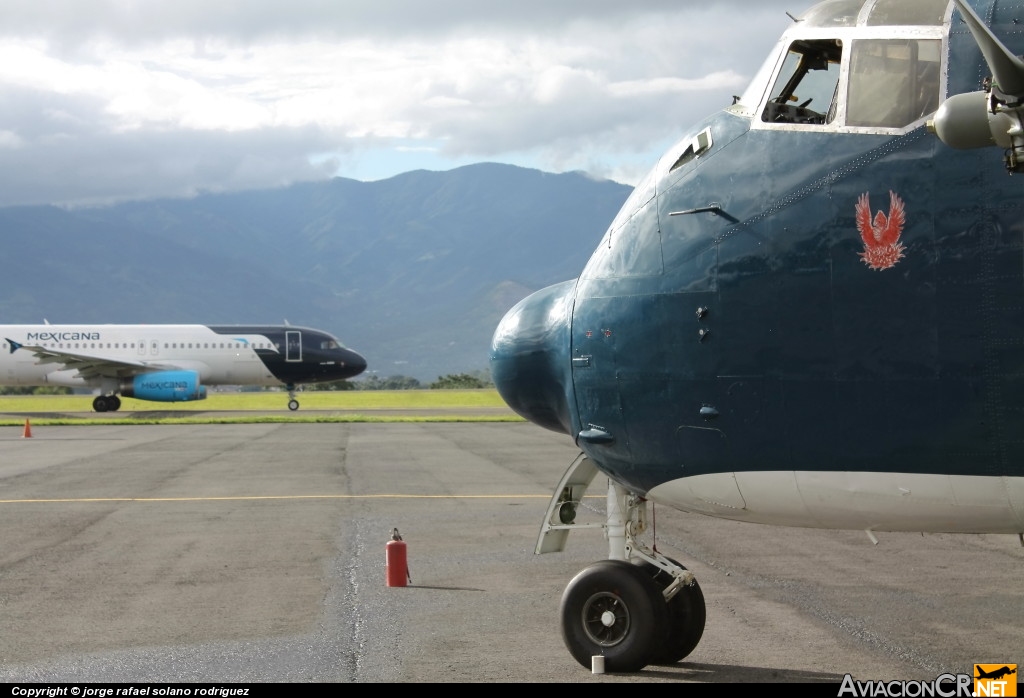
x: 457, y: 381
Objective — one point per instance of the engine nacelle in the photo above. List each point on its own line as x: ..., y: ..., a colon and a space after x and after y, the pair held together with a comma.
x: 966, y: 121
x: 165, y: 386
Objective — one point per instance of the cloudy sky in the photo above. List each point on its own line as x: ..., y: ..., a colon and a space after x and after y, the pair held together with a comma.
x: 110, y: 100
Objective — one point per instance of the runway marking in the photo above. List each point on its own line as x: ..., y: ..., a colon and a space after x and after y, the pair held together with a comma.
x: 261, y: 497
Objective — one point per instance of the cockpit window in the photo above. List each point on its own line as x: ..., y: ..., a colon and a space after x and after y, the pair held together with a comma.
x: 805, y: 89
x: 907, y: 12
x: 880, y: 13
x: 747, y: 103
x: 833, y: 13
x: 853, y: 64
x: 893, y: 82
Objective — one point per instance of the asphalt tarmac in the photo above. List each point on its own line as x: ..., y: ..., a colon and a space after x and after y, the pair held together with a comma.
x: 256, y: 553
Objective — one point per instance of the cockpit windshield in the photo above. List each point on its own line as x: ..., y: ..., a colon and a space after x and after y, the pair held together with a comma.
x: 805, y: 90
x: 858, y: 64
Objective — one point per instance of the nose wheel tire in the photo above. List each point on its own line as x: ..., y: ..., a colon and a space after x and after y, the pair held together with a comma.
x: 615, y: 609
x: 687, y: 614
x: 293, y: 405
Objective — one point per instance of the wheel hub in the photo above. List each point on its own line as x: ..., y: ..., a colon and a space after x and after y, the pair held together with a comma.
x: 606, y: 619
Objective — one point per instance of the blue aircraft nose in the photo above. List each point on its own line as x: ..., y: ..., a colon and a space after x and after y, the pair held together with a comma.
x: 530, y: 361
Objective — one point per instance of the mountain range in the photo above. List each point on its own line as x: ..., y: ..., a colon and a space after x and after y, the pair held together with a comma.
x: 414, y: 271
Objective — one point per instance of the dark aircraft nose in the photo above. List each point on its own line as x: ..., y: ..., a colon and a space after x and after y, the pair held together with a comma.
x: 354, y: 363
x: 530, y: 357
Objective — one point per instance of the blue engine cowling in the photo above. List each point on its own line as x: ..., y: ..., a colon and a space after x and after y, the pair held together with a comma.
x: 165, y: 386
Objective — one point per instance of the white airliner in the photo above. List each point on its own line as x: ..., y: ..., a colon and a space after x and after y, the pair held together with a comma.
x: 171, y: 363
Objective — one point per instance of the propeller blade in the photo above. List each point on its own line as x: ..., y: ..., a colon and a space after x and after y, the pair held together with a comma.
x: 1007, y: 69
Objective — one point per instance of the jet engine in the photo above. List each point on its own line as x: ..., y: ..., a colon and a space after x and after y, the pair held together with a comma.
x: 165, y: 386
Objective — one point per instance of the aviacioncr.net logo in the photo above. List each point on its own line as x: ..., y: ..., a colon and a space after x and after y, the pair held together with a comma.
x: 995, y: 680
x: 945, y: 686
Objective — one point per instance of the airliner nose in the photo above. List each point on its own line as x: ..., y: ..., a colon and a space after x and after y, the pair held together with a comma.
x: 530, y: 362
x: 354, y: 363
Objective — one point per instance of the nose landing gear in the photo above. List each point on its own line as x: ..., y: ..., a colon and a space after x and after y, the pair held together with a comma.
x: 636, y: 608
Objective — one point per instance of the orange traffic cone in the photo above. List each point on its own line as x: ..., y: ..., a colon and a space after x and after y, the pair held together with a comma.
x: 27, y: 434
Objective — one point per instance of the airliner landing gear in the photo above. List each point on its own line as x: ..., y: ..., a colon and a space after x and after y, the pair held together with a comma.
x: 293, y: 404
x: 637, y: 608
x: 106, y: 403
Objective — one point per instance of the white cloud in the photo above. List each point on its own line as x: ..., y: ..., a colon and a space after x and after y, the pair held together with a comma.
x: 9, y: 140
x: 373, y: 88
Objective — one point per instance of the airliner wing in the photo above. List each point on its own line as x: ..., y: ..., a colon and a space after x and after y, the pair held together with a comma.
x: 90, y: 367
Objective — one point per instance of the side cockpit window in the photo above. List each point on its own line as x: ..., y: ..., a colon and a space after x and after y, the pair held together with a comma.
x: 854, y: 65
x: 893, y: 82
x: 806, y: 88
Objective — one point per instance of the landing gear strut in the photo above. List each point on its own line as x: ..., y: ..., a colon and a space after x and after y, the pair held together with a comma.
x: 293, y: 404
x: 636, y: 608
x: 686, y: 616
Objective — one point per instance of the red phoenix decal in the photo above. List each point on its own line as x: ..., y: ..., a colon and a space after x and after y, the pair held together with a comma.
x: 882, y: 246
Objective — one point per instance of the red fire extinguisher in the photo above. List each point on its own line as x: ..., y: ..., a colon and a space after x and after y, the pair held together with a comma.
x: 397, y: 566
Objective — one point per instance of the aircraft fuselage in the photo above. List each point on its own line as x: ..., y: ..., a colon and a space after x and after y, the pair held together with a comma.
x: 799, y: 319
x: 106, y: 356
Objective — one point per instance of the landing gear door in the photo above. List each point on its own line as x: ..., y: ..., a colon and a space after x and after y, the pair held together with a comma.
x: 293, y: 345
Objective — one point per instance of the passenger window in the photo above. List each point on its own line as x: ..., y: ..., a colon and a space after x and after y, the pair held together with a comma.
x: 893, y: 82
x: 805, y: 91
